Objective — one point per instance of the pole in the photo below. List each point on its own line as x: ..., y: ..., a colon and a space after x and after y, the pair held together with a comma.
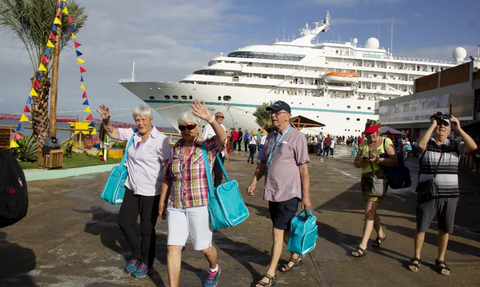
x: 55, y: 64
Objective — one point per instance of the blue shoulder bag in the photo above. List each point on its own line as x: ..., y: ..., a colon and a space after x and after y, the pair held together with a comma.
x: 225, y: 203
x: 114, y: 188
x: 303, y: 233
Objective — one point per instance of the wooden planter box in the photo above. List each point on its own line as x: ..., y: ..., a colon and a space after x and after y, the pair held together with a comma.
x: 5, y: 138
x: 53, y: 159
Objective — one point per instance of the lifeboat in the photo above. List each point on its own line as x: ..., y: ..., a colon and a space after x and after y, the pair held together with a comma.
x: 338, y: 77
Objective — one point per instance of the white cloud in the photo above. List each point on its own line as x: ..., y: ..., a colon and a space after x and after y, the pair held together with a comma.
x: 348, y: 3
x: 349, y: 21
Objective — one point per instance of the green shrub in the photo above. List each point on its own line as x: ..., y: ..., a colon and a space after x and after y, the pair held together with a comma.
x: 26, y: 150
x: 119, y: 144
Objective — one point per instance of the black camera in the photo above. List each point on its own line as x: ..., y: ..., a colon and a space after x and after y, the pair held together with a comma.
x: 440, y: 116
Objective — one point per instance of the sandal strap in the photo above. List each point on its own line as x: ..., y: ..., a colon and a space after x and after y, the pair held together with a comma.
x: 270, y: 279
x: 295, y: 261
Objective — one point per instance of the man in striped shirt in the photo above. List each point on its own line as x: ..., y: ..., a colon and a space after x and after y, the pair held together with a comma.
x: 438, y: 150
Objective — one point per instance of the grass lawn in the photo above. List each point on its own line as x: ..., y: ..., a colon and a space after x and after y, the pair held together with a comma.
x: 77, y: 160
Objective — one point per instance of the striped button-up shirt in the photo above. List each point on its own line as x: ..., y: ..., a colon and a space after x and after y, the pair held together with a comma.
x: 187, y: 172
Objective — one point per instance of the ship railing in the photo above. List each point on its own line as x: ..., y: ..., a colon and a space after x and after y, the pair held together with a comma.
x: 127, y: 80
x: 419, y: 59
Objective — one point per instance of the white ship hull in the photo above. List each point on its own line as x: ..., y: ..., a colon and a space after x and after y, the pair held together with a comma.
x: 340, y: 116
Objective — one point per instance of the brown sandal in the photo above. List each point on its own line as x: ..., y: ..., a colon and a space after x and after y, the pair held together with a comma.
x: 296, y: 263
x: 271, y: 280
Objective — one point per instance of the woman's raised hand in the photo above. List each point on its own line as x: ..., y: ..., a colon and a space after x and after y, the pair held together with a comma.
x: 104, y: 112
x: 200, y: 110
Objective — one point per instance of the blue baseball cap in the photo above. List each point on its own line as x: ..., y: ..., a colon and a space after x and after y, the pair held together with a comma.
x: 278, y: 106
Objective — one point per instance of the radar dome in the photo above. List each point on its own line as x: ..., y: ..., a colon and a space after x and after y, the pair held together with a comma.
x: 459, y: 53
x: 372, y: 43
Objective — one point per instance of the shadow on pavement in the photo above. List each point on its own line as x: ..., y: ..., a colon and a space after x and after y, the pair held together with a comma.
x: 17, y: 262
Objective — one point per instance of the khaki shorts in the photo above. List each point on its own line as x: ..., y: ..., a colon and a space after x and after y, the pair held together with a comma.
x: 193, y: 221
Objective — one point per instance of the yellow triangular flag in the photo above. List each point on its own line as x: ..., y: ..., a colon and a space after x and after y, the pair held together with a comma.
x: 94, y: 132
x: 64, y: 0
x: 100, y: 153
x: 82, y: 86
x: 24, y: 118
x: 57, y: 21
x: 42, y: 68
x: 65, y: 11
x: 87, y: 110
x: 49, y: 44
x: 33, y: 93
x: 80, y: 61
x: 13, y: 144
x: 73, y: 36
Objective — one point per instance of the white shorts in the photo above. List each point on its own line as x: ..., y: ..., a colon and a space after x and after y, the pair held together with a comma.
x: 193, y: 221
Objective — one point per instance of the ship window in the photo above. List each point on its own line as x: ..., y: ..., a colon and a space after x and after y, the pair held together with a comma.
x: 348, y: 107
x: 167, y: 97
x: 175, y: 97
x: 348, y: 119
x: 184, y: 97
x: 190, y: 97
x: 152, y: 98
x: 227, y: 98
x: 219, y: 98
x: 359, y: 107
x: 369, y: 108
x: 358, y: 119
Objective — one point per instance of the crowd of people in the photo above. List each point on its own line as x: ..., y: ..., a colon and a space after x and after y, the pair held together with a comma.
x: 171, y: 182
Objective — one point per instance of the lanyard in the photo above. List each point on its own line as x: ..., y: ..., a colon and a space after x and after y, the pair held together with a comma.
x: 274, y: 147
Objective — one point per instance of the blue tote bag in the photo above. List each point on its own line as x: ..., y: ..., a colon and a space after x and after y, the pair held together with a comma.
x: 303, y: 233
x: 225, y: 203
x: 114, y: 188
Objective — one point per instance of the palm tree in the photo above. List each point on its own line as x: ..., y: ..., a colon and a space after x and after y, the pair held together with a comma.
x: 31, y: 21
x: 262, y: 116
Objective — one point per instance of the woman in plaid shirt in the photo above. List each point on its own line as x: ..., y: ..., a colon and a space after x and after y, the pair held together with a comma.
x: 184, y: 195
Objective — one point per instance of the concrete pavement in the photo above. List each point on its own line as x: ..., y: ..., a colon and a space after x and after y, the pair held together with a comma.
x: 70, y: 237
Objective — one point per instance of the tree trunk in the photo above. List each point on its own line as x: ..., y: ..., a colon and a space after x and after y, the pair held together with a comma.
x: 40, y: 110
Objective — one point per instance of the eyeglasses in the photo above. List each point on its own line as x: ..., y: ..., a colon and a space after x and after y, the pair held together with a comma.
x: 442, y: 123
x: 278, y: 113
x: 189, y: 127
x: 221, y: 117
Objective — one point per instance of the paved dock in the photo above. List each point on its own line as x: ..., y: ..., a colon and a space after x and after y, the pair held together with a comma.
x: 71, y: 238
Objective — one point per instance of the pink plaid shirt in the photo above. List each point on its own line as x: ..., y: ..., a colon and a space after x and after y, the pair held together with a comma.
x: 189, y: 180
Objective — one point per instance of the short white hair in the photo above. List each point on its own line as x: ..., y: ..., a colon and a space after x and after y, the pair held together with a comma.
x: 142, y: 111
x: 188, y: 117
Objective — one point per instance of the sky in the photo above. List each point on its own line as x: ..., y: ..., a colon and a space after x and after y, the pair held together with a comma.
x: 170, y: 39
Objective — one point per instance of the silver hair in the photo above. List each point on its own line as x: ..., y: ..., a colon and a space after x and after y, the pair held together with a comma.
x: 188, y: 117
x: 142, y: 111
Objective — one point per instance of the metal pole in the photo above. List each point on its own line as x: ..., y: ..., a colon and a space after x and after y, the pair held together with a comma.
x: 55, y: 64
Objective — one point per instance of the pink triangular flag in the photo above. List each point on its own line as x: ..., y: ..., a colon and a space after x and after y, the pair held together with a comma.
x: 45, y: 59
x: 36, y: 84
x: 52, y: 36
x: 70, y: 19
x: 17, y: 136
x: 26, y: 109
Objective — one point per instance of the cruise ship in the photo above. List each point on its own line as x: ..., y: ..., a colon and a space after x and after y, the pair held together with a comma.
x: 334, y: 83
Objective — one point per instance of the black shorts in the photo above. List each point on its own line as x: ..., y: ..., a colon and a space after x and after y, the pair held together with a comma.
x: 282, y: 213
x: 444, y: 208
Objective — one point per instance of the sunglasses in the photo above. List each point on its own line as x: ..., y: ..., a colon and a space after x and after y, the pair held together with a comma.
x: 278, y: 113
x: 189, y: 127
x: 221, y: 117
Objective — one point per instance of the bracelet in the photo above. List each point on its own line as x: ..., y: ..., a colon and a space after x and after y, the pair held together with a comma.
x: 210, y: 121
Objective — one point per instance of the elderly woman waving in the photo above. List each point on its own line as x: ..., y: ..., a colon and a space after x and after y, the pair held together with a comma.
x: 146, y: 158
x: 184, y: 196
x: 369, y: 160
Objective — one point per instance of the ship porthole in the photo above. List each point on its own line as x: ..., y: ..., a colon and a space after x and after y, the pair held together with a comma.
x: 219, y: 98
x: 167, y: 97
x: 227, y: 98
x: 152, y: 98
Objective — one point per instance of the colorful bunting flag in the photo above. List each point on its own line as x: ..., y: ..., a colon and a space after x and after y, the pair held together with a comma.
x: 87, y: 110
x: 81, y: 78
x: 100, y: 154
x: 17, y: 136
x: 70, y: 19
x: 36, y: 84
x: 73, y: 36
x: 95, y: 139
x: 85, y: 103
x: 78, y: 53
x: 92, y: 124
x: 42, y: 68
x: 84, y: 95
x: 54, y: 28
x: 65, y: 11
x: 45, y: 59
x: 38, y: 76
x: 72, y: 28
x: 47, y: 51
x: 57, y: 14
x: 76, y: 44
x: 49, y: 44
x: 82, y: 70
x: 57, y: 21
x: 24, y: 118
x: 80, y: 61
x: 52, y: 36
x: 94, y: 132
x: 26, y: 109
x: 82, y: 86
x: 33, y: 93
x: 30, y: 101
x: 13, y: 144
x: 20, y: 128
x: 89, y: 118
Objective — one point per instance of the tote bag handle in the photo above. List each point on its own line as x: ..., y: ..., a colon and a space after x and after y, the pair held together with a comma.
x: 124, y: 158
